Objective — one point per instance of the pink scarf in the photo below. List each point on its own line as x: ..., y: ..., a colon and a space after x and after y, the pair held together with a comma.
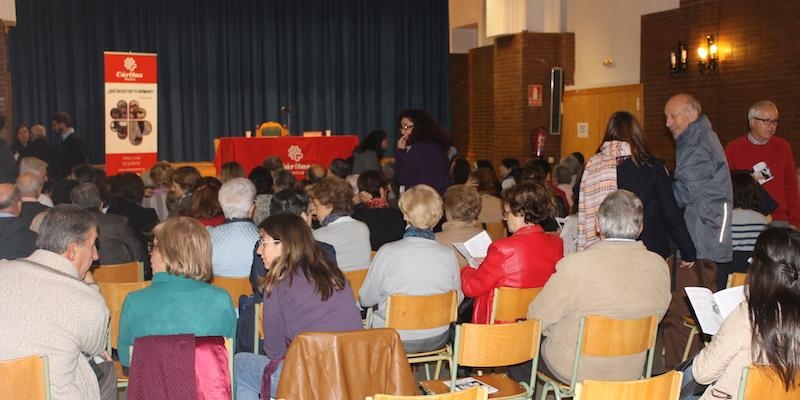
x: 599, y: 179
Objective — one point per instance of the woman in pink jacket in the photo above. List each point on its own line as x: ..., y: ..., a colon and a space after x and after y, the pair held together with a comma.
x: 524, y: 260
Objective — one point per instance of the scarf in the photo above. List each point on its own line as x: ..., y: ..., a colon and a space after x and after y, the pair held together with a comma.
x: 332, y: 217
x: 376, y: 202
x: 599, y: 179
x: 417, y: 232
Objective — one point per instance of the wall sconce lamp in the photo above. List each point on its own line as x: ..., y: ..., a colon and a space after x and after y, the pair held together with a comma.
x: 707, y: 55
x: 678, y: 60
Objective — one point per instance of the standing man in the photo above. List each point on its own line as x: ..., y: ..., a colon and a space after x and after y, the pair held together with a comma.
x: 50, y: 305
x: 771, y: 160
x: 73, y: 148
x: 703, y: 188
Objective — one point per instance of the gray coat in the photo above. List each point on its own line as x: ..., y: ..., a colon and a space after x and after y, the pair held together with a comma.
x: 703, y: 188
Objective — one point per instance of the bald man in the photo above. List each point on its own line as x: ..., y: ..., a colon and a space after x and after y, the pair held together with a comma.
x: 703, y: 188
x: 16, y: 240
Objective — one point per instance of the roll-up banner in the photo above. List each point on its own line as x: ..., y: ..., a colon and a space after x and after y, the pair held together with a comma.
x: 131, y: 110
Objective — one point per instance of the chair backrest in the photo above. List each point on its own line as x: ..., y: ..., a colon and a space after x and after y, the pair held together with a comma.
x: 356, y: 278
x: 737, y: 279
x: 114, y: 294
x: 762, y: 382
x: 609, y: 337
x: 346, y: 365
x: 421, y: 312
x: 234, y: 286
x: 475, y: 393
x: 127, y: 272
x: 482, y: 345
x: 271, y: 128
x: 25, y: 378
x: 496, y: 230
x: 662, y: 387
x: 511, y: 304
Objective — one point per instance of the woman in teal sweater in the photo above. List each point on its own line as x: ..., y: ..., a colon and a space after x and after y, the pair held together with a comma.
x: 179, y: 299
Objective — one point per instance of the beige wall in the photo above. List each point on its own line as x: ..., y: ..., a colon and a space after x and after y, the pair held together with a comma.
x: 608, y: 29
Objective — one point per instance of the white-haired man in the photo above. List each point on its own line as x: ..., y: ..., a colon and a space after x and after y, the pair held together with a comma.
x: 232, y: 242
x: 50, y: 305
x: 616, y: 277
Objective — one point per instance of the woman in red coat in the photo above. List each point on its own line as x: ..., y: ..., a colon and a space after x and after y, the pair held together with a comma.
x: 524, y: 260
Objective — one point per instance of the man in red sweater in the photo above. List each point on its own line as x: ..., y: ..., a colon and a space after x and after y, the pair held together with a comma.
x: 771, y: 160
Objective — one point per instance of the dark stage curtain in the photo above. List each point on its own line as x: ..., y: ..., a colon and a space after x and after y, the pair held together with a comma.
x: 226, y: 65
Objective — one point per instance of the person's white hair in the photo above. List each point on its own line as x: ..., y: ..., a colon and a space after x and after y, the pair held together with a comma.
x: 620, y: 215
x: 30, y: 184
x: 38, y: 132
x: 236, y: 197
x: 33, y: 165
x: 755, y: 108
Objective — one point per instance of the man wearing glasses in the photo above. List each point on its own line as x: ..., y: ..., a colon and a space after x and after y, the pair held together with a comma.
x: 771, y: 160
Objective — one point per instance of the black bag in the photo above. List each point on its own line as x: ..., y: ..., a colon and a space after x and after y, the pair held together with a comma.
x: 691, y: 388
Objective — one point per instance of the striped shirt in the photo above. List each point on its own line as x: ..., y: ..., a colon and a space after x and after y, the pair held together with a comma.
x: 745, y: 228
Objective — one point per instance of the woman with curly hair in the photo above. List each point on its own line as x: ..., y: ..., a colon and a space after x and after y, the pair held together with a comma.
x: 421, y: 156
x: 526, y: 259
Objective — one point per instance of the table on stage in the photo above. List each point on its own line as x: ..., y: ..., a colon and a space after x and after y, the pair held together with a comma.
x: 297, y: 153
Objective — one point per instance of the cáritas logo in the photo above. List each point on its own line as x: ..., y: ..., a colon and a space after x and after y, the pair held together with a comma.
x: 130, y: 75
x: 295, y: 153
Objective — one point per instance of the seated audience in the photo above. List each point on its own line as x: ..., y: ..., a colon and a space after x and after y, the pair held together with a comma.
x: 415, y: 265
x: 37, y: 166
x: 385, y: 224
x: 617, y: 278
x: 272, y: 163
x: 180, y: 299
x: 184, y: 180
x: 303, y: 292
x: 232, y: 242
x: 230, y: 170
x: 332, y: 198
x: 538, y: 168
x: 157, y: 197
x: 491, y: 205
x: 30, y: 187
x: 764, y: 329
x: 367, y: 156
x: 204, y: 204
x: 746, y: 224
x: 339, y: 167
x: 462, y: 204
x: 51, y: 306
x: 295, y: 202
x: 563, y: 178
x: 314, y: 174
x: 460, y: 170
x: 282, y: 179
x: 116, y: 241
x: 16, y: 239
x: 509, y: 170
x: 262, y: 179
x: 126, y: 192
x: 524, y: 260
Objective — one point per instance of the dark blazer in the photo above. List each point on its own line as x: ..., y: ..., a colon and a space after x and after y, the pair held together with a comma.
x: 39, y: 148
x: 141, y: 219
x: 116, y: 241
x: 30, y: 209
x: 16, y: 240
x: 73, y: 150
x: 663, y: 219
x: 8, y: 166
x: 385, y: 224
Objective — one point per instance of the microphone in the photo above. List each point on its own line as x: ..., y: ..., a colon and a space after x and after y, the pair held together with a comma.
x: 285, y: 109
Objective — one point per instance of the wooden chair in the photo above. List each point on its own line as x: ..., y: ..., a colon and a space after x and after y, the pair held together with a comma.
x: 119, y: 273
x: 762, y: 382
x: 475, y: 393
x: 114, y: 295
x: 484, y: 346
x: 234, y: 286
x: 511, y: 304
x: 662, y: 387
x: 606, y: 337
x: 424, y: 312
x: 271, y: 128
x: 734, y: 279
x: 25, y: 378
x: 356, y: 278
x: 496, y: 230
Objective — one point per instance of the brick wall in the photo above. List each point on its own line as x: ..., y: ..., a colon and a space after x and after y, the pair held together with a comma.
x: 759, y: 60
x: 500, y: 120
x: 5, y: 76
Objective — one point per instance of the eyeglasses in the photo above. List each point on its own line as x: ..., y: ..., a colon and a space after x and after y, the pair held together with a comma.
x: 405, y: 127
x: 150, y: 247
x: 768, y: 121
x: 263, y: 242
